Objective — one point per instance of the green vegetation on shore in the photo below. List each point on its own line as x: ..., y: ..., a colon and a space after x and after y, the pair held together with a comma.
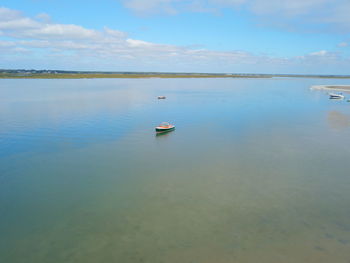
x: 60, y: 74
x: 121, y: 75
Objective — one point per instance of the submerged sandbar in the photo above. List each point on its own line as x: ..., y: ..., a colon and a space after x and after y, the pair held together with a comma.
x: 332, y: 87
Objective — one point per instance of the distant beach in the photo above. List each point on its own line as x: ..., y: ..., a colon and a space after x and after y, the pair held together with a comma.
x: 332, y: 87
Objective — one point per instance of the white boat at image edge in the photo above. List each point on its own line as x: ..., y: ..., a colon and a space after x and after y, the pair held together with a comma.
x: 336, y: 96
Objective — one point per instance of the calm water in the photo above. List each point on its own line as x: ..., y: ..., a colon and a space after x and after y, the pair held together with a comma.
x: 257, y: 170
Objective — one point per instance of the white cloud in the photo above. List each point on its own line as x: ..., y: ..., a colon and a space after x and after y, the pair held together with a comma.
x: 10, y: 48
x: 29, y: 28
x: 19, y: 24
x: 153, y: 6
x: 5, y: 44
x: 59, y: 31
x: 7, y: 14
x: 226, y: 2
x: 287, y: 7
x: 319, y: 53
x: 138, y: 43
x: 44, y: 18
x: 114, y: 33
x: 331, y: 15
x: 343, y: 44
x: 322, y: 58
x: 74, y: 46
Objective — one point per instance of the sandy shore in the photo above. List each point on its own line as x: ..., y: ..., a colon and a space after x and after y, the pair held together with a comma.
x: 332, y: 87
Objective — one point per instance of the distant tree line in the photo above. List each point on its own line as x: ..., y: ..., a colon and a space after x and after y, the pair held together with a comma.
x: 33, y: 72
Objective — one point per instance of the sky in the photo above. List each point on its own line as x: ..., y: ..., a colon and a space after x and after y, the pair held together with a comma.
x: 208, y: 36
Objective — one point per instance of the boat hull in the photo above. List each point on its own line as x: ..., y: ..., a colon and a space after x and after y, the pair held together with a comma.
x: 159, y: 129
x: 336, y: 97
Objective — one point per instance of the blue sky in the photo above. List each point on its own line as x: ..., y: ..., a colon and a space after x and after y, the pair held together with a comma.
x: 246, y: 36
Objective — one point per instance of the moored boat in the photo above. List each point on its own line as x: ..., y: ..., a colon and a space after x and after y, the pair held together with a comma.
x: 336, y: 96
x: 164, y: 127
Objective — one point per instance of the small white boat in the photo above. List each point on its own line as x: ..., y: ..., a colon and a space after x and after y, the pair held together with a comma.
x: 336, y: 96
x: 164, y: 127
x: 161, y: 97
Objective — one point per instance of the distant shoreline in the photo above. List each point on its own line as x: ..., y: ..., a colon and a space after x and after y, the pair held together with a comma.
x: 119, y: 76
x: 50, y: 74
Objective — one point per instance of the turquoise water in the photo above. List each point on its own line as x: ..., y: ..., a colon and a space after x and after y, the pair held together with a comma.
x: 257, y: 170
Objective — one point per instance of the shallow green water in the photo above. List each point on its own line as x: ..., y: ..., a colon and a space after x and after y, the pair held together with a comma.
x: 257, y: 170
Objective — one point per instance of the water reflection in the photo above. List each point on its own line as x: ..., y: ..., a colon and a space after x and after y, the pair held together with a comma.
x: 338, y: 120
x: 163, y: 133
x: 249, y: 176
